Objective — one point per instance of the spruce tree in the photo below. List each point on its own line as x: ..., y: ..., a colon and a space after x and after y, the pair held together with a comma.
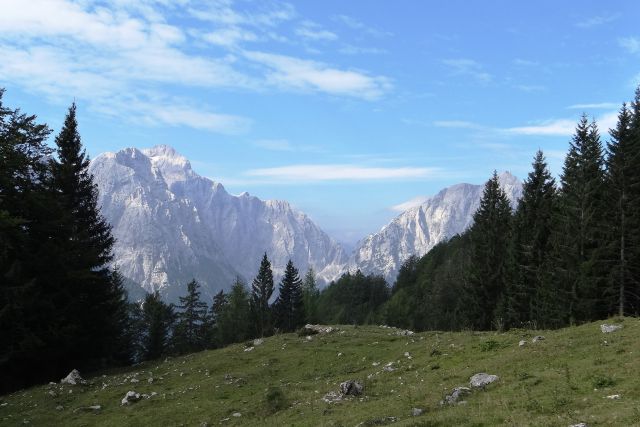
x: 490, y: 236
x: 532, y: 228
x: 233, y: 320
x: 191, y: 324
x: 218, y: 305
x: 91, y: 298
x: 623, y: 180
x: 156, y: 322
x: 289, y: 306
x: 310, y: 295
x: 581, y: 231
x: 261, y: 291
x: 633, y: 293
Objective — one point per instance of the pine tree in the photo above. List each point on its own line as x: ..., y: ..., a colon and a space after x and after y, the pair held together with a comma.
x: 190, y: 329
x: 490, y: 236
x: 233, y: 321
x: 90, y: 296
x: 580, y: 222
x: 155, y: 325
x: 623, y: 177
x: 532, y: 230
x: 289, y: 306
x: 261, y: 291
x: 633, y: 293
x: 218, y: 305
x: 310, y: 296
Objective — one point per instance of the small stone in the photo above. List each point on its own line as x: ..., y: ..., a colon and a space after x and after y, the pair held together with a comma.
x: 481, y: 380
x: 236, y: 414
x: 389, y: 367
x: 455, y: 395
x: 59, y: 408
x: 73, y: 378
x: 351, y: 388
x: 150, y: 380
x: 579, y: 425
x: 134, y: 380
x: 416, y: 412
x: 613, y: 397
x: 257, y: 342
x: 249, y: 349
x: 52, y: 393
x: 537, y: 338
x: 607, y: 329
x: 522, y: 343
x: 339, y: 354
x: 130, y: 397
x: 375, y: 364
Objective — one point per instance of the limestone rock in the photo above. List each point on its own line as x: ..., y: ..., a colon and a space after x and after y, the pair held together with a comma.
x: 456, y: 395
x: 522, y: 343
x: 416, y: 412
x: 537, y: 338
x: 607, y: 329
x: 73, y: 378
x: 481, y: 380
x: 351, y: 388
x: 130, y: 397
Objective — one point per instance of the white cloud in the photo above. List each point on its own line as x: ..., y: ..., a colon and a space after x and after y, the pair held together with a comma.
x: 355, y: 24
x: 302, y: 74
x: 229, y: 36
x: 412, y: 203
x: 563, y: 127
x: 598, y: 20
x: 312, y: 31
x: 468, y: 67
x: 456, y: 124
x: 632, y: 44
x: 595, y: 106
x: 340, y: 172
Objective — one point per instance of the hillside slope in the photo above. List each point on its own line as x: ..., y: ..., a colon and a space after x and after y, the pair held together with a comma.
x: 562, y: 380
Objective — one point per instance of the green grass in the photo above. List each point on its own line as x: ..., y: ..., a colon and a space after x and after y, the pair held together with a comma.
x: 556, y: 382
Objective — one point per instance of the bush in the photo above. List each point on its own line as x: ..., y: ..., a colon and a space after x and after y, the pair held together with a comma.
x: 275, y: 400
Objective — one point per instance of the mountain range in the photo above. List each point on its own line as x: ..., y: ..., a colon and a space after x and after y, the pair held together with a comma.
x: 172, y: 225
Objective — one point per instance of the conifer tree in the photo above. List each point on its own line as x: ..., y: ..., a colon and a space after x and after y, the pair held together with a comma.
x: 218, y: 305
x: 633, y: 293
x: 490, y: 236
x: 191, y: 321
x: 581, y: 231
x: 532, y: 230
x: 289, y: 306
x: 233, y: 321
x: 261, y: 291
x: 91, y: 298
x: 156, y: 322
x: 310, y: 296
x: 623, y: 181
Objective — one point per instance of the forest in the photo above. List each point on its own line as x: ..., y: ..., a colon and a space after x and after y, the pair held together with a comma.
x: 569, y: 253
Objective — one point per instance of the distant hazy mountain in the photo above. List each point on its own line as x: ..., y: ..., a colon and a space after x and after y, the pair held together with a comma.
x: 417, y: 230
x: 172, y: 225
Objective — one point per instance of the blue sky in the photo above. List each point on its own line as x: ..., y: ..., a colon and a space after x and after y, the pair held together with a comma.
x: 351, y: 110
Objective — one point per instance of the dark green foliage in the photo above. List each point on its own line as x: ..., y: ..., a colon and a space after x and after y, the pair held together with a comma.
x: 261, y: 291
x: 489, y: 268
x: 580, y: 222
x: 154, y: 320
x: 532, y: 228
x: 234, y: 316
x: 275, y: 400
x: 289, y: 307
x: 190, y: 331
x: 354, y: 299
x: 310, y: 296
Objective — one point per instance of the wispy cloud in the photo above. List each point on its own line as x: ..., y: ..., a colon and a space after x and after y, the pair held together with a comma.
x: 355, y: 24
x: 306, y: 173
x: 312, y: 31
x: 530, y: 88
x: 468, y: 67
x: 525, y: 62
x: 412, y: 203
x: 595, y: 106
x: 308, y: 75
x: 597, y: 20
x: 632, y: 44
x: 456, y: 124
x: 562, y: 127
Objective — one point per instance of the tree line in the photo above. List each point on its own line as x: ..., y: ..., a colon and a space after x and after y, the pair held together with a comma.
x: 568, y: 253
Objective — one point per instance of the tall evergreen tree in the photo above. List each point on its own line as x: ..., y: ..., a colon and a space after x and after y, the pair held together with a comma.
x: 191, y: 321
x: 581, y: 225
x: 490, y: 236
x: 90, y: 297
x: 532, y: 230
x: 218, y: 305
x: 633, y: 294
x: 623, y: 182
x: 289, y: 306
x: 156, y: 319
x: 233, y: 321
x: 310, y: 296
x: 261, y: 291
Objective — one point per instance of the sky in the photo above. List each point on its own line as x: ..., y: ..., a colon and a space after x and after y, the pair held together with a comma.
x: 352, y: 111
